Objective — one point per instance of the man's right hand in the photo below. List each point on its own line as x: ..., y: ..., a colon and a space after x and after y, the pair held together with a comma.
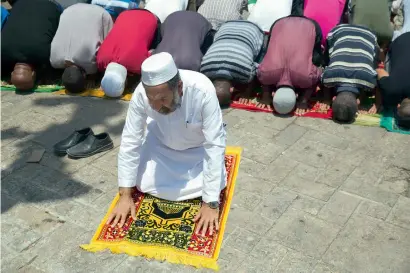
x: 124, y: 205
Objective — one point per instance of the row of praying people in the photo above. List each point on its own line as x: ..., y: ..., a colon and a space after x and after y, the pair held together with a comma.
x: 289, y: 47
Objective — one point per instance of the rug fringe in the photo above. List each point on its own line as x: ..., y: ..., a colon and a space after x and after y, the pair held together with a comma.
x: 161, y: 254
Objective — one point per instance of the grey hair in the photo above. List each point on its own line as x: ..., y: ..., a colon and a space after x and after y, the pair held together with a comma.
x: 173, y: 83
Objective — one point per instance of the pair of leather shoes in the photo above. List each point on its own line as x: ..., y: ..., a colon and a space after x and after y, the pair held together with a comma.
x: 83, y: 143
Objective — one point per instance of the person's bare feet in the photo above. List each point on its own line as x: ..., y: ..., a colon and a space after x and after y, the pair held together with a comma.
x: 264, y: 106
x: 324, y: 106
x: 301, y: 108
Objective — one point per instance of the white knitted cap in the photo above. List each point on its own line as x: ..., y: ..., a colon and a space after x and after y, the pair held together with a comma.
x: 284, y: 100
x: 113, y: 82
x: 158, y: 69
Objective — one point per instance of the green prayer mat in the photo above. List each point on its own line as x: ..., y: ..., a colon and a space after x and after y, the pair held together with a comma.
x: 388, y: 121
x: 39, y: 88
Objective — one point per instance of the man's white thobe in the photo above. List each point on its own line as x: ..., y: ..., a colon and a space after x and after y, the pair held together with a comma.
x: 266, y: 12
x: 163, y: 8
x: 181, y: 155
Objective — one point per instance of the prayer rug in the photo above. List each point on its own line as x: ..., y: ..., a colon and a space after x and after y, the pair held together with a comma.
x: 164, y: 230
x: 40, y: 88
x: 388, y: 121
x: 96, y: 92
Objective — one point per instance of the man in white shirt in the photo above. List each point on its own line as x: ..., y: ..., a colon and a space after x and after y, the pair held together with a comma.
x: 266, y: 12
x: 173, y: 143
x: 164, y: 8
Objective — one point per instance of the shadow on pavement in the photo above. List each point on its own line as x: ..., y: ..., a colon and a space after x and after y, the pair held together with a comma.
x: 46, y: 120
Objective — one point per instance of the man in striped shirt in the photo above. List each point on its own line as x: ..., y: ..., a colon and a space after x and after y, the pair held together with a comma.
x: 352, y: 54
x: 232, y: 57
x: 218, y: 12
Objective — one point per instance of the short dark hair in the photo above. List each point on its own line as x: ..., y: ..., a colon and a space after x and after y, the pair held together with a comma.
x: 173, y: 83
x: 74, y: 79
x: 222, y: 88
x: 345, y: 107
x: 403, y: 116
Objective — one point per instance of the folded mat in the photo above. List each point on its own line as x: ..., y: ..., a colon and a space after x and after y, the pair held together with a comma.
x: 164, y: 230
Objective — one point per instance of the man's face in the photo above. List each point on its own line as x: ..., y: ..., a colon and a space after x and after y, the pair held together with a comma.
x: 162, y: 99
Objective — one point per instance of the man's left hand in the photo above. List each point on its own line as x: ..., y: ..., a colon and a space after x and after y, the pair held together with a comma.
x: 206, y: 219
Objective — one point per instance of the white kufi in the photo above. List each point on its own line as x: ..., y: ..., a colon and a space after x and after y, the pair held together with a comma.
x: 158, y: 69
x: 113, y: 82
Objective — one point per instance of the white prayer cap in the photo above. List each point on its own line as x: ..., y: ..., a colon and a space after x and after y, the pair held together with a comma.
x: 158, y: 69
x: 113, y: 82
x: 284, y: 100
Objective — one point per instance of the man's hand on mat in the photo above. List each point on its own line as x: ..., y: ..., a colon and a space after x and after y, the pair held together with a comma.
x: 120, y: 213
x: 207, y: 219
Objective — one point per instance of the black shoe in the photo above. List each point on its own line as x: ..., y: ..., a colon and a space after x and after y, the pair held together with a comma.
x: 75, y: 138
x: 92, y: 145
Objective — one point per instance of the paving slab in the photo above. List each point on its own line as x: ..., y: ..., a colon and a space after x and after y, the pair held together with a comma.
x: 311, y: 195
x: 370, y: 245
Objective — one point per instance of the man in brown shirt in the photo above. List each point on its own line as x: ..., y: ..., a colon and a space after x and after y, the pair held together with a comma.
x: 290, y: 68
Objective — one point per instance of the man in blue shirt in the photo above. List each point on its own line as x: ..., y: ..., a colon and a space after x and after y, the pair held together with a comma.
x: 115, y: 7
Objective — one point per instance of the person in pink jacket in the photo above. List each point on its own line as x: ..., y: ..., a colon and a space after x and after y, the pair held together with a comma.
x: 327, y: 13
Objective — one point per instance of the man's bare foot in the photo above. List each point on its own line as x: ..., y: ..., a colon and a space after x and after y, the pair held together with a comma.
x: 324, y: 106
x: 301, y: 108
x: 245, y: 101
x: 263, y: 106
x: 375, y: 109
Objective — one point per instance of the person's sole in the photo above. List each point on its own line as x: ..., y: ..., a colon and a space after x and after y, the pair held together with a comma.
x: 99, y: 150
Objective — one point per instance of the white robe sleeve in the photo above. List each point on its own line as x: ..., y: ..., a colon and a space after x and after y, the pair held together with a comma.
x: 131, y: 141
x: 215, y: 143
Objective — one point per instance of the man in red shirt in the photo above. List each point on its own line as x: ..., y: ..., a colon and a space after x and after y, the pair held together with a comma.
x: 134, y: 33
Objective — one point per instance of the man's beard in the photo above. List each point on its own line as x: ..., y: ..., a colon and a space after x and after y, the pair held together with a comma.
x: 176, y: 103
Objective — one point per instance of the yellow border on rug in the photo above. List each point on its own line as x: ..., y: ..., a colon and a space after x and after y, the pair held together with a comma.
x: 98, y: 93
x: 166, y: 253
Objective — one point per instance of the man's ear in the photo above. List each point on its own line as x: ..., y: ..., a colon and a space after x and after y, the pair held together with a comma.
x: 231, y: 89
x: 180, y: 85
x: 358, y: 101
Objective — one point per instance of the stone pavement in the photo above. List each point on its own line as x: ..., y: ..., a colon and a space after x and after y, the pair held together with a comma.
x: 311, y: 196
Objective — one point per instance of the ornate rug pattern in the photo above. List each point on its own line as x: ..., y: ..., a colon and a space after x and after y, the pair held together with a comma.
x: 164, y: 230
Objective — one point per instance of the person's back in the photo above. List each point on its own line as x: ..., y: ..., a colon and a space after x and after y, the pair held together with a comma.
x: 266, y: 12
x: 289, y: 57
x: 183, y: 34
x: 396, y: 86
x: 81, y: 31
x: 326, y: 13
x: 218, y: 12
x: 30, y: 28
x: 67, y: 3
x: 115, y: 7
x: 129, y: 40
x: 162, y: 9
x: 352, y: 57
x: 232, y: 56
x: 375, y: 15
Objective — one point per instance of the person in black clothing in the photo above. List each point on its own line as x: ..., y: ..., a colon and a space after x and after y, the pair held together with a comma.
x: 395, y: 86
x: 26, y: 40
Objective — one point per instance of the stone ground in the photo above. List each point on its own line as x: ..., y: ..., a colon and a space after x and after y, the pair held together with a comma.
x: 311, y: 196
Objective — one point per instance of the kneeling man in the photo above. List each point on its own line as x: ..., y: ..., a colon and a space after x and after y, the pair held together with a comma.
x: 181, y: 153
